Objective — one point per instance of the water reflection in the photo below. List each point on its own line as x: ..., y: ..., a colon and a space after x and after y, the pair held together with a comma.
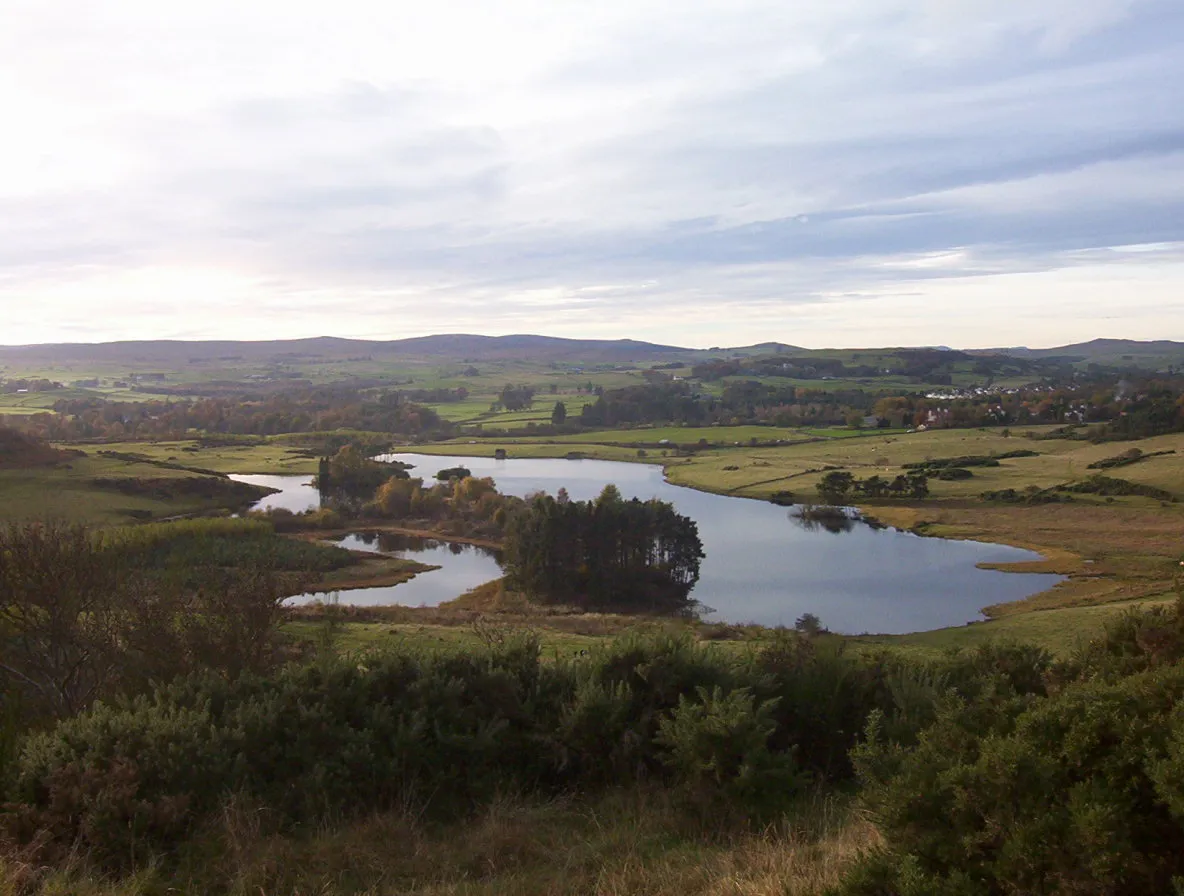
x: 462, y: 567
x: 400, y: 544
x: 835, y: 520
x: 296, y: 493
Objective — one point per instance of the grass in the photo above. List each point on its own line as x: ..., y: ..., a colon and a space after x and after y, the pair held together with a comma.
x: 678, y: 435
x: 370, y: 571
x: 1060, y: 631
x: 633, y: 842
x: 762, y: 471
x: 872, y: 384
x: 560, y: 632
x: 358, y: 636
x: 67, y: 492
x: 271, y: 456
x: 456, y: 411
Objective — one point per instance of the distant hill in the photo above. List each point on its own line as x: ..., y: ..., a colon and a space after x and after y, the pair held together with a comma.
x: 470, y: 347
x: 451, y: 347
x: 540, y: 348
x: 1151, y: 355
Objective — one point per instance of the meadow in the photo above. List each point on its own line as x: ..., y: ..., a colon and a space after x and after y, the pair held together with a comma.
x: 111, y: 491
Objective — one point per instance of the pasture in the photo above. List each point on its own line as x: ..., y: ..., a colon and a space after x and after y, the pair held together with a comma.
x: 107, y: 491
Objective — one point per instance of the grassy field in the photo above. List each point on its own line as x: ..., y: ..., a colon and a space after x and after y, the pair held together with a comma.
x: 456, y: 411
x: 39, y: 402
x: 487, y: 448
x: 271, y: 456
x: 68, y: 492
x: 1060, y: 631
x: 766, y: 470
x: 676, y: 435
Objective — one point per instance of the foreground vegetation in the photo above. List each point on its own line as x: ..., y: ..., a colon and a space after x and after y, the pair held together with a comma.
x: 651, y: 765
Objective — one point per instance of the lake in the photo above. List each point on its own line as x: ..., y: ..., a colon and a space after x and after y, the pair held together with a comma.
x: 462, y: 567
x: 296, y: 493
x: 762, y: 565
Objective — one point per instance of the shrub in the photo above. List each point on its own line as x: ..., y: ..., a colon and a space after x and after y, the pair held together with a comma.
x: 954, y: 474
x: 1099, y: 484
x: 718, y: 746
x: 1021, y: 788
x: 821, y: 698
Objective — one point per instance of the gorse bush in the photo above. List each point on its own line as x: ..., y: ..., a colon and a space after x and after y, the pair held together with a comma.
x: 309, y: 744
x: 1070, y: 785
x: 718, y: 744
x: 608, y: 726
x: 442, y: 731
x: 820, y: 699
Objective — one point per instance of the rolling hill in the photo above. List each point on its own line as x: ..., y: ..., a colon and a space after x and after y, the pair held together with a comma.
x: 1152, y: 355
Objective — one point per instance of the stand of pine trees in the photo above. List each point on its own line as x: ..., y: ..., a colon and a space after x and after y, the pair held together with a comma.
x: 609, y: 553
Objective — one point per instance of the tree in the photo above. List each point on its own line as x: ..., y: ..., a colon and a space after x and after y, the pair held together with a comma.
x: 516, y: 398
x: 57, y: 615
x: 918, y: 486
x: 559, y: 414
x: 874, y: 486
x: 836, y: 485
x: 808, y: 624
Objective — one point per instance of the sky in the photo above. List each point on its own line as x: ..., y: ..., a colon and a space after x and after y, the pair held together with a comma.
x: 971, y: 173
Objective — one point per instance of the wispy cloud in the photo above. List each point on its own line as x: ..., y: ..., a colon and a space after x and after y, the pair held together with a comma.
x: 857, y: 171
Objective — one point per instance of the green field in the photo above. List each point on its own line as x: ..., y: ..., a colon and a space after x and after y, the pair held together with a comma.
x: 766, y: 470
x: 270, y: 456
x: 67, y: 492
x: 1060, y: 631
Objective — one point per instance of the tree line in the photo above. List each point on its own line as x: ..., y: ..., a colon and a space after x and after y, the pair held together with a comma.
x: 302, y: 411
x: 604, y: 553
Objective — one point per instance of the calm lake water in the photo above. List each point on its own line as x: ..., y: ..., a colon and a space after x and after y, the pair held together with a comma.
x: 297, y: 493
x: 462, y: 567
x: 762, y: 565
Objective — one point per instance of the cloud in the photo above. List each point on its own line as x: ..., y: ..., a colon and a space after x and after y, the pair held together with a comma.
x: 698, y: 172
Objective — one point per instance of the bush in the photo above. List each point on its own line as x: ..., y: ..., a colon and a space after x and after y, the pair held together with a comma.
x: 821, y: 699
x: 1099, y: 484
x: 718, y: 746
x: 309, y: 743
x: 1020, y: 787
x: 441, y: 732
x: 954, y: 474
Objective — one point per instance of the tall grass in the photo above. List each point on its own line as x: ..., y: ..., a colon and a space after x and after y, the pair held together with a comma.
x: 152, y: 535
x: 630, y: 842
